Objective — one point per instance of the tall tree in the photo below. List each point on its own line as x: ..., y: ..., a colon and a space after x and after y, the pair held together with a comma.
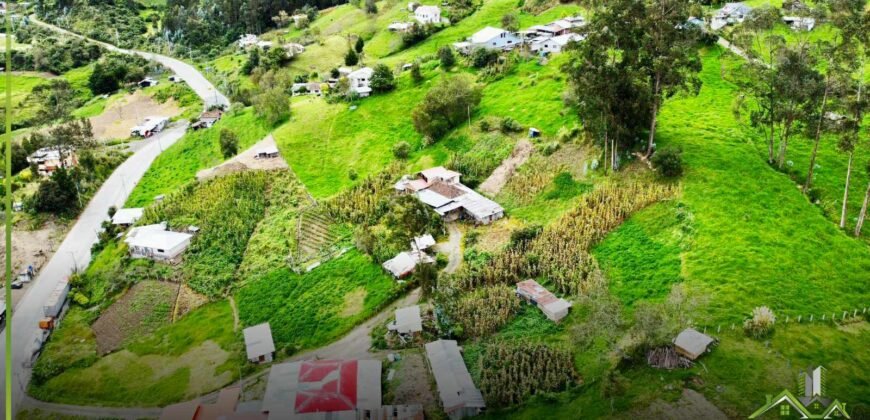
x: 798, y: 87
x: 668, y: 55
x: 863, y: 213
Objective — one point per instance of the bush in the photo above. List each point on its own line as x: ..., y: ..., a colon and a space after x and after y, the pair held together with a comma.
x: 57, y: 194
x: 382, y: 79
x: 414, y: 34
x: 445, y: 55
x: 229, y: 143
x: 416, y: 74
x: 482, y: 57
x: 510, y: 125
x: 273, y: 104
x: 484, y: 125
x: 761, y: 324
x: 352, y: 174
x: 401, y: 150
x: 359, y: 45
x: 668, y: 162
x: 550, y: 148
x: 446, y: 106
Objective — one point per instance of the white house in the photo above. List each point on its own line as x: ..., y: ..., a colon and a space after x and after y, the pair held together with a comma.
x: 258, y: 343
x: 440, y: 189
x: 422, y: 243
x: 405, y: 262
x: 360, y: 80
x: 127, y: 217
x: 400, y: 26
x: 798, y: 23
x: 247, y: 40
x: 156, y: 243
x: 730, y: 14
x: 427, y: 14
x: 408, y: 321
x: 555, y: 44
x: 489, y: 38
x: 459, y: 397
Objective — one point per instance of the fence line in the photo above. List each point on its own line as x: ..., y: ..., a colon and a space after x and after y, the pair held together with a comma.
x: 825, y: 318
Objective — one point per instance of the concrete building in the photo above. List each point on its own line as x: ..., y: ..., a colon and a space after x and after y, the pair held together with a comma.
x: 258, y: 343
x: 156, y: 243
x: 127, y: 217
x: 554, y: 308
x: 427, y: 15
x: 459, y: 397
x: 408, y: 321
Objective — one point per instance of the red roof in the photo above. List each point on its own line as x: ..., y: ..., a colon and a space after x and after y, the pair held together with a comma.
x: 327, y: 385
x: 534, y: 290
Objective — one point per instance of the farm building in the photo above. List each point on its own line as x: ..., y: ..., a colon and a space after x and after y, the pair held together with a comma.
x: 730, y: 14
x: 227, y: 407
x: 207, y: 119
x: 360, y: 80
x: 798, y: 23
x: 50, y: 159
x: 249, y: 40
x: 408, y: 320
x: 399, y: 26
x: 267, y: 153
x: 440, y: 189
x: 489, y: 38
x: 554, y: 308
x: 308, y: 88
x: 422, y: 243
x: 258, y: 343
x: 555, y: 44
x: 156, y: 243
x: 127, y: 217
x: 427, y: 14
x: 692, y: 344
x: 459, y: 397
x: 319, y: 388
x: 149, y: 127
x: 147, y: 82
x: 294, y: 48
x: 404, y: 263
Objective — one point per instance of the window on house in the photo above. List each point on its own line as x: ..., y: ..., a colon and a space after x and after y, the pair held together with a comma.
x: 784, y: 410
x: 160, y: 250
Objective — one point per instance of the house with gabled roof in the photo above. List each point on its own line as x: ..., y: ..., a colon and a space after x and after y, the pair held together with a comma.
x: 489, y: 38
x: 812, y: 405
x: 441, y: 189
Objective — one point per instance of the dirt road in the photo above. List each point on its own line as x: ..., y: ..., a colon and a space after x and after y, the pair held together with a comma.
x: 508, y: 167
x: 453, y: 248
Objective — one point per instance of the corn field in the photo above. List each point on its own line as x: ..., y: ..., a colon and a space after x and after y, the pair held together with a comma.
x: 510, y: 372
x: 562, y: 252
x: 533, y: 178
x: 226, y: 210
x: 485, y: 310
x: 360, y: 204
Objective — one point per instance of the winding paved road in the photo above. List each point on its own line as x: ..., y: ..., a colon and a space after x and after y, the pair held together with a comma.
x: 75, y: 251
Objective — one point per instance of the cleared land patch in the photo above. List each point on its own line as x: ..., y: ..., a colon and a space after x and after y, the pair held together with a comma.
x: 144, y: 308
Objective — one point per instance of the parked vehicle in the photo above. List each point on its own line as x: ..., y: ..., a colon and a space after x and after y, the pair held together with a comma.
x: 56, y: 300
x: 149, y: 127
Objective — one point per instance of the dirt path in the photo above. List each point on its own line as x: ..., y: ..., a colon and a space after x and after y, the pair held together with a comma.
x: 235, y: 313
x: 246, y: 161
x: 453, y: 248
x: 508, y: 167
x: 31, y: 247
x: 121, y: 115
x: 356, y: 344
x: 692, y: 405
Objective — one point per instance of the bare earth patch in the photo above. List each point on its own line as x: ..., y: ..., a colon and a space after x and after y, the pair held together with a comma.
x: 31, y: 247
x: 144, y: 308
x: 492, y: 238
x: 692, y: 405
x: 508, y: 167
x: 246, y: 161
x: 187, y: 301
x: 117, y: 119
x: 353, y: 302
x: 411, y: 383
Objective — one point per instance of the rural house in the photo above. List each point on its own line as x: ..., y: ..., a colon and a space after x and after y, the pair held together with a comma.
x: 258, y: 343
x: 360, y: 80
x: 730, y: 14
x: 554, y: 308
x: 440, y: 189
x: 227, y: 407
x: 489, y: 38
x: 427, y: 14
x: 408, y: 321
x: 127, y: 217
x: 49, y: 159
x: 405, y: 262
x: 399, y: 26
x: 207, y: 119
x: 249, y: 40
x: 555, y: 44
x: 156, y: 243
x: 692, y: 344
x: 308, y: 88
x: 422, y: 243
x: 798, y: 23
x: 459, y: 397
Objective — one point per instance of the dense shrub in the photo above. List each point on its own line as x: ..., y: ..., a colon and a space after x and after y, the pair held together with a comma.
x: 382, y: 79
x: 482, y: 57
x: 446, y: 57
x: 668, y: 162
x: 229, y: 143
x: 761, y: 323
x: 401, y: 150
x: 446, y: 106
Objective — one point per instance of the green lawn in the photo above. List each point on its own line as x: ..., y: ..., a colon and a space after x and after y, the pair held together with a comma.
x: 313, y: 309
x: 197, y: 150
x: 193, y: 356
x: 22, y: 84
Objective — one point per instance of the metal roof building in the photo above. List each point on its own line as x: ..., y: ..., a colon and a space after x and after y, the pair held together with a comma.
x: 459, y: 397
x: 691, y: 343
x: 258, y: 343
x: 127, y: 216
x: 408, y: 320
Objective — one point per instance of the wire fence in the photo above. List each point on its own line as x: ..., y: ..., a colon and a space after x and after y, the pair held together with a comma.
x: 833, y: 318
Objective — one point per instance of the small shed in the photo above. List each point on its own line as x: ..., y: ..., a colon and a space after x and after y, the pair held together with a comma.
x: 422, y: 243
x: 692, y: 344
x: 408, y: 320
x: 554, y: 308
x: 258, y: 343
x: 534, y: 132
x: 127, y: 217
x: 267, y: 153
x: 147, y: 82
x: 404, y: 263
